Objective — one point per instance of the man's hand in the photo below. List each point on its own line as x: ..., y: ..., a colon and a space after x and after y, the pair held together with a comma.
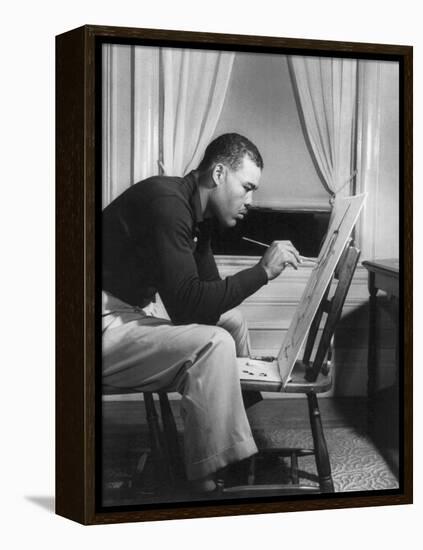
x: 279, y: 255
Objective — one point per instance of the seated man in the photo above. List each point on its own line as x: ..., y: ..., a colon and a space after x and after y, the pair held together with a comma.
x: 156, y: 238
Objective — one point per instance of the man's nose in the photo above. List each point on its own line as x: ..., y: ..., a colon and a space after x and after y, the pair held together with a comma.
x: 248, y: 199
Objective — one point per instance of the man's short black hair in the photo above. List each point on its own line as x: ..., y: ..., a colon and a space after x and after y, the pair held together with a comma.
x: 230, y: 149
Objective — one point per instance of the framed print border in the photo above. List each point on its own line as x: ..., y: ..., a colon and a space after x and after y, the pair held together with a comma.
x: 78, y: 174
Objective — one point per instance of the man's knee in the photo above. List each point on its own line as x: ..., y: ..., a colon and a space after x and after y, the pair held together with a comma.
x: 236, y: 317
x: 223, y: 338
x: 233, y: 320
x: 206, y: 336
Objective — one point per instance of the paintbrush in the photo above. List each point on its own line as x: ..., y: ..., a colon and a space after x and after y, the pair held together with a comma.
x: 302, y: 258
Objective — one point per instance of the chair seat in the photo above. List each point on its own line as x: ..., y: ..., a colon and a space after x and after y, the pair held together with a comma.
x: 297, y: 383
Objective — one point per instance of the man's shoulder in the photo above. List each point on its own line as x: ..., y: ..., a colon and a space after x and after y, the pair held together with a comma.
x: 163, y: 194
x: 166, y: 194
x: 161, y: 185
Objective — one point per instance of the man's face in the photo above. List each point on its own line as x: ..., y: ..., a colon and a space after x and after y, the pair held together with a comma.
x: 232, y: 196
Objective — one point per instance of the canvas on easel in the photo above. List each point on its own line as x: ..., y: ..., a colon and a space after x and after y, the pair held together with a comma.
x: 344, y: 216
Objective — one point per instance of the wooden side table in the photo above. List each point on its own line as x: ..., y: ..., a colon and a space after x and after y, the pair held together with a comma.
x: 383, y: 275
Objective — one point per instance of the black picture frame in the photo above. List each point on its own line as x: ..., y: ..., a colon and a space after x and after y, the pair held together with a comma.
x: 78, y: 172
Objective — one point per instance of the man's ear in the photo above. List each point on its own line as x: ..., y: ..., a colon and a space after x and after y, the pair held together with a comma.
x: 218, y: 173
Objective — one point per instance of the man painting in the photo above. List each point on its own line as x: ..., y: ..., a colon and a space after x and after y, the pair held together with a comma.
x: 156, y: 238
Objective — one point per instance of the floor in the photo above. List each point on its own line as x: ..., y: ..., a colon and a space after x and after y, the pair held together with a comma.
x: 363, y: 448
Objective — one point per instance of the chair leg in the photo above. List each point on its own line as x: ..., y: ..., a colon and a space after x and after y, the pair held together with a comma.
x: 171, y: 436
x: 320, y: 447
x: 161, y: 470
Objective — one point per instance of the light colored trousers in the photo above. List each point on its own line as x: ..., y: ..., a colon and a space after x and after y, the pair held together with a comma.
x: 145, y: 351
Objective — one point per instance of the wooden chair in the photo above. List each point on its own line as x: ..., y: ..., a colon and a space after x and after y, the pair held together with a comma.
x: 309, y: 377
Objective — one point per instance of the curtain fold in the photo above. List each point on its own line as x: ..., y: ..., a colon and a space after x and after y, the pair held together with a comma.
x: 194, y: 89
x: 368, y: 152
x: 325, y: 90
x: 146, y: 112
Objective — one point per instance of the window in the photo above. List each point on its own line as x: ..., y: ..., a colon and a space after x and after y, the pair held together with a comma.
x: 306, y: 230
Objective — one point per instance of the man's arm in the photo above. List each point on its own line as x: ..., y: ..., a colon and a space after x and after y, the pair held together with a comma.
x: 204, y: 258
x: 188, y: 298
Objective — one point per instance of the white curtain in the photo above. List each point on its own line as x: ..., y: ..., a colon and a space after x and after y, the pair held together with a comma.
x: 194, y: 88
x: 130, y: 117
x: 325, y: 91
x: 146, y: 107
x: 368, y: 150
x: 378, y: 158
x: 190, y: 89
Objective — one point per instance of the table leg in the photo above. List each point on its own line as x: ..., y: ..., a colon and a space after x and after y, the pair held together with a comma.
x: 372, y: 357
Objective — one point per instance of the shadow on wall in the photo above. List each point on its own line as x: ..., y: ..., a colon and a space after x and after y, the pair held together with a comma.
x: 351, y: 350
x: 350, y: 353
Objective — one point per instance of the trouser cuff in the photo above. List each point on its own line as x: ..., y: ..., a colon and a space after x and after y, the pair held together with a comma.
x: 239, y: 451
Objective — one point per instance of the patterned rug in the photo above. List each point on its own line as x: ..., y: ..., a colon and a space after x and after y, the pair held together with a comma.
x: 358, y: 463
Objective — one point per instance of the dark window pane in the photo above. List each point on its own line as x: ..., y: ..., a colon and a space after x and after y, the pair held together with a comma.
x: 306, y: 230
